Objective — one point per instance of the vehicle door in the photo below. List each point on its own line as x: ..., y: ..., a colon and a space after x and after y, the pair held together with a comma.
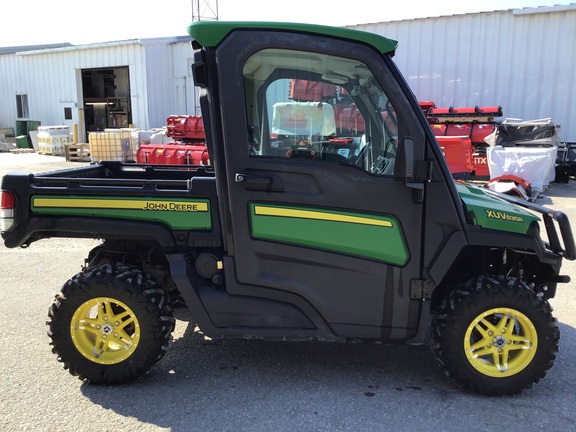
x: 310, y: 129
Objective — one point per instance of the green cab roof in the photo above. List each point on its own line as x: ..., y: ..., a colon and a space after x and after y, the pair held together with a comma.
x: 211, y: 33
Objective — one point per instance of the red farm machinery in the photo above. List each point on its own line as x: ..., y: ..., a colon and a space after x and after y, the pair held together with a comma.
x: 188, y: 148
x: 461, y: 133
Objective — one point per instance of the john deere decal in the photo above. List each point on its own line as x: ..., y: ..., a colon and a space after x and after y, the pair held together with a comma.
x: 186, y: 214
x: 367, y: 235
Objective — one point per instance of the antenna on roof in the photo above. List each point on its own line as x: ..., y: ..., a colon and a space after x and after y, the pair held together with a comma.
x: 204, y: 10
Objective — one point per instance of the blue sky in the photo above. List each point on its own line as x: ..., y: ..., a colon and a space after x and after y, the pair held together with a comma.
x: 31, y: 22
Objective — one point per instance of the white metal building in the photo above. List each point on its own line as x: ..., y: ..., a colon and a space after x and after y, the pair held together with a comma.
x: 97, y: 86
x: 523, y: 60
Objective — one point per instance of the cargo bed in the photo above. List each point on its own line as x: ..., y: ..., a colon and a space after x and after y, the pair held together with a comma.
x: 112, y: 200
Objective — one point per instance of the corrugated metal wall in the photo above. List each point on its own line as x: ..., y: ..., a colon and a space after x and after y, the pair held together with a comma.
x: 520, y: 60
x: 160, y: 84
x: 51, y: 78
x: 525, y: 62
x: 170, y: 87
x: 9, y: 66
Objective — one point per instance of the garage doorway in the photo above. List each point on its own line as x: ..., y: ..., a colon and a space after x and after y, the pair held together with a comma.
x: 106, y: 98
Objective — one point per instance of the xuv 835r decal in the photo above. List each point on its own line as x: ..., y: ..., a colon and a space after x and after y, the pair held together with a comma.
x: 366, y: 235
x: 179, y: 214
x: 494, y: 213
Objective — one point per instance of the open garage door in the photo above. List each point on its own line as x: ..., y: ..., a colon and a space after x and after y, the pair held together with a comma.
x: 106, y: 98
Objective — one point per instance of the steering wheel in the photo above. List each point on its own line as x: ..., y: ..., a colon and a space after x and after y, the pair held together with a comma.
x: 301, y: 153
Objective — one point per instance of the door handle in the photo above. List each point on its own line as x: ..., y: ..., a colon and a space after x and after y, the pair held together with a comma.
x: 253, y: 179
x: 259, y: 181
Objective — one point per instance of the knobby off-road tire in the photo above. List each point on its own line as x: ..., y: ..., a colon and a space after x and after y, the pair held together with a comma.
x: 495, y: 336
x: 110, y: 324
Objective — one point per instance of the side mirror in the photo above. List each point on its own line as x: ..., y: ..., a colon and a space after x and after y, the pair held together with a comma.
x: 407, y: 169
x: 405, y: 160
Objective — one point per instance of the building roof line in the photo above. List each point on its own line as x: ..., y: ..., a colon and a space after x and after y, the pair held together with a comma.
x: 545, y: 9
x: 64, y: 47
x: 16, y: 49
x: 524, y: 11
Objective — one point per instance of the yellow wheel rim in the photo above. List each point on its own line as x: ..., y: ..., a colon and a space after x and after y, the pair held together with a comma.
x: 500, y: 342
x: 105, y: 330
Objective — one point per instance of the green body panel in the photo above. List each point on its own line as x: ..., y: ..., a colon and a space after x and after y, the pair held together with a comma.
x: 211, y: 33
x: 178, y: 214
x: 491, y: 212
x: 365, y: 235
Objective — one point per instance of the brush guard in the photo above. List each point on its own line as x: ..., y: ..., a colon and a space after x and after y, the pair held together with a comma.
x: 549, y: 216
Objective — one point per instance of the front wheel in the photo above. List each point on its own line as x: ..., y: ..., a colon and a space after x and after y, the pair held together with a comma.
x: 495, y: 336
x: 110, y: 324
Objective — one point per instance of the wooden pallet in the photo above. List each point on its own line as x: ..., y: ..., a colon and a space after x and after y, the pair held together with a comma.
x: 77, y: 153
x: 22, y: 150
x: 50, y: 153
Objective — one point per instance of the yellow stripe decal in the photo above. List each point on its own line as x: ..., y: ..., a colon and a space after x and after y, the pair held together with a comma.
x: 183, y: 206
x: 308, y: 214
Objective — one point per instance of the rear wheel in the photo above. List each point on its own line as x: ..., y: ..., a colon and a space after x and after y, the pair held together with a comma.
x: 496, y: 336
x: 110, y: 324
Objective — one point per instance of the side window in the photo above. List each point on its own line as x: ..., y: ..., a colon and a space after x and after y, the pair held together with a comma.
x: 22, y: 106
x: 318, y: 107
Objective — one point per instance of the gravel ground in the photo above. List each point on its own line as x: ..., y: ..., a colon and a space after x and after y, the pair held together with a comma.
x: 252, y: 385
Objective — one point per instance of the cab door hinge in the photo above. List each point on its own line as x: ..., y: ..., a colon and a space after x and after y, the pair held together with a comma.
x: 420, y: 289
x: 424, y: 170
